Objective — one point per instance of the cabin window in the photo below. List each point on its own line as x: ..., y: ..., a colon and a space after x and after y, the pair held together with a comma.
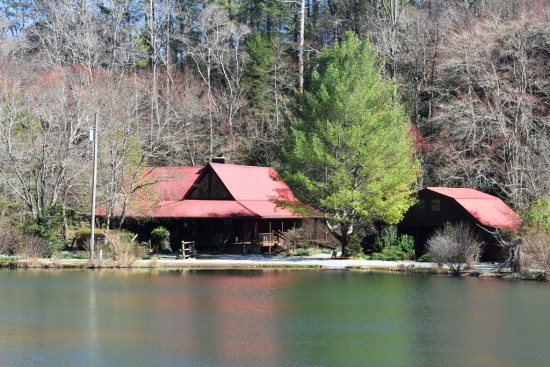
x: 421, y: 206
x: 436, y: 205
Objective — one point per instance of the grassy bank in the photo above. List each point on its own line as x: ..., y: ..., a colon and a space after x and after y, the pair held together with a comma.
x: 244, y: 263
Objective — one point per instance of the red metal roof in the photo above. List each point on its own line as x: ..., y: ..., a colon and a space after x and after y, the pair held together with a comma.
x: 487, y: 209
x: 461, y: 193
x: 170, y: 183
x: 258, y: 192
x: 201, y: 209
x: 253, y: 183
x: 268, y: 209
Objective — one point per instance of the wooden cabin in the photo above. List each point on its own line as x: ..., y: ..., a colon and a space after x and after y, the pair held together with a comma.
x: 439, y: 205
x: 220, y: 207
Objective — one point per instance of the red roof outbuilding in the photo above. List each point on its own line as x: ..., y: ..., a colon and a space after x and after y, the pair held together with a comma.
x: 487, y: 209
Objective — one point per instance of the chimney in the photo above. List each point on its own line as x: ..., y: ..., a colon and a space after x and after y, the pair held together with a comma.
x: 220, y: 159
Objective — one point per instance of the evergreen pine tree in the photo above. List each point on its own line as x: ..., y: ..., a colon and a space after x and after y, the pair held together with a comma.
x: 349, y: 152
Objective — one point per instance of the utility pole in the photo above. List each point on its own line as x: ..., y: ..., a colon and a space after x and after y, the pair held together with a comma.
x: 93, y: 137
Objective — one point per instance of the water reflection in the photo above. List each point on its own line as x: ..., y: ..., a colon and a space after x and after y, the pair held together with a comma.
x: 280, y: 318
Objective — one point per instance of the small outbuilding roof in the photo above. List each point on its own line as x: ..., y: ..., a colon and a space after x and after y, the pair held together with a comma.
x: 489, y: 210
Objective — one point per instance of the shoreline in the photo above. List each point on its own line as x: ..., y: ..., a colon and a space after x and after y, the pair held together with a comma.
x: 261, y: 262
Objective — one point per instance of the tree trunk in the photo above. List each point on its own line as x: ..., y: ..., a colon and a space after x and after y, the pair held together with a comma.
x: 301, y: 47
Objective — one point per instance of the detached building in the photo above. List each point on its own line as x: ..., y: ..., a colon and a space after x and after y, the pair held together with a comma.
x: 439, y: 205
x: 219, y: 206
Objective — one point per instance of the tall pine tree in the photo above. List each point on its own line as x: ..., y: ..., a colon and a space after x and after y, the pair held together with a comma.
x: 349, y: 152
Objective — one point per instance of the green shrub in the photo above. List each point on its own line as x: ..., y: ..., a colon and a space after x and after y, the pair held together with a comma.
x: 160, y: 237
x: 4, y: 258
x: 160, y: 233
x: 426, y: 258
x: 388, y: 237
x: 389, y: 246
x: 354, y: 248
x: 406, y: 244
x: 302, y: 251
x: 81, y: 236
x: 537, y: 215
x: 392, y: 253
x: 73, y: 255
x: 48, y: 227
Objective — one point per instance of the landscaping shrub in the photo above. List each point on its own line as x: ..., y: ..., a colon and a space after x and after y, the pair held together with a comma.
x: 81, y: 237
x: 386, y: 238
x: 354, y: 248
x: 405, y: 243
x: 389, y: 246
x: 457, y: 246
x: 5, y: 258
x: 392, y: 253
x: 302, y: 251
x: 72, y: 255
x: 160, y: 237
x: 426, y: 258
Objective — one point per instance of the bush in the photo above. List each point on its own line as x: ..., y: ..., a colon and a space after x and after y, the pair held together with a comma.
x: 81, y: 236
x: 392, y: 253
x: 4, y: 258
x: 48, y: 227
x: 457, y: 246
x: 72, y: 255
x: 123, y: 247
x: 389, y: 246
x: 160, y: 237
x: 426, y: 258
x: 31, y: 247
x: 295, y: 238
x: 8, y: 239
x: 387, y: 238
x: 406, y: 244
x: 13, y: 242
x: 302, y: 251
x: 354, y: 248
x: 537, y: 215
x: 535, y: 254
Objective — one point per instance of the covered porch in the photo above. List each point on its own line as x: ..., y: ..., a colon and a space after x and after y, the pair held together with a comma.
x: 219, y: 235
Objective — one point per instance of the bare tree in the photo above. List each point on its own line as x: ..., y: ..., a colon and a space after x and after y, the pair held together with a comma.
x: 456, y: 245
x: 42, y: 127
x: 491, y: 128
x: 219, y: 57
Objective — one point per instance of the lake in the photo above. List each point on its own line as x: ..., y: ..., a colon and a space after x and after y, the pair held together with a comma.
x: 269, y: 318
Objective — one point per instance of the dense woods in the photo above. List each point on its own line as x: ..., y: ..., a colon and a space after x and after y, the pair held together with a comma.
x: 176, y: 82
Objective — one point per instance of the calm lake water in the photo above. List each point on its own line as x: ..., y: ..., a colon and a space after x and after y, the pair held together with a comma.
x: 283, y: 318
